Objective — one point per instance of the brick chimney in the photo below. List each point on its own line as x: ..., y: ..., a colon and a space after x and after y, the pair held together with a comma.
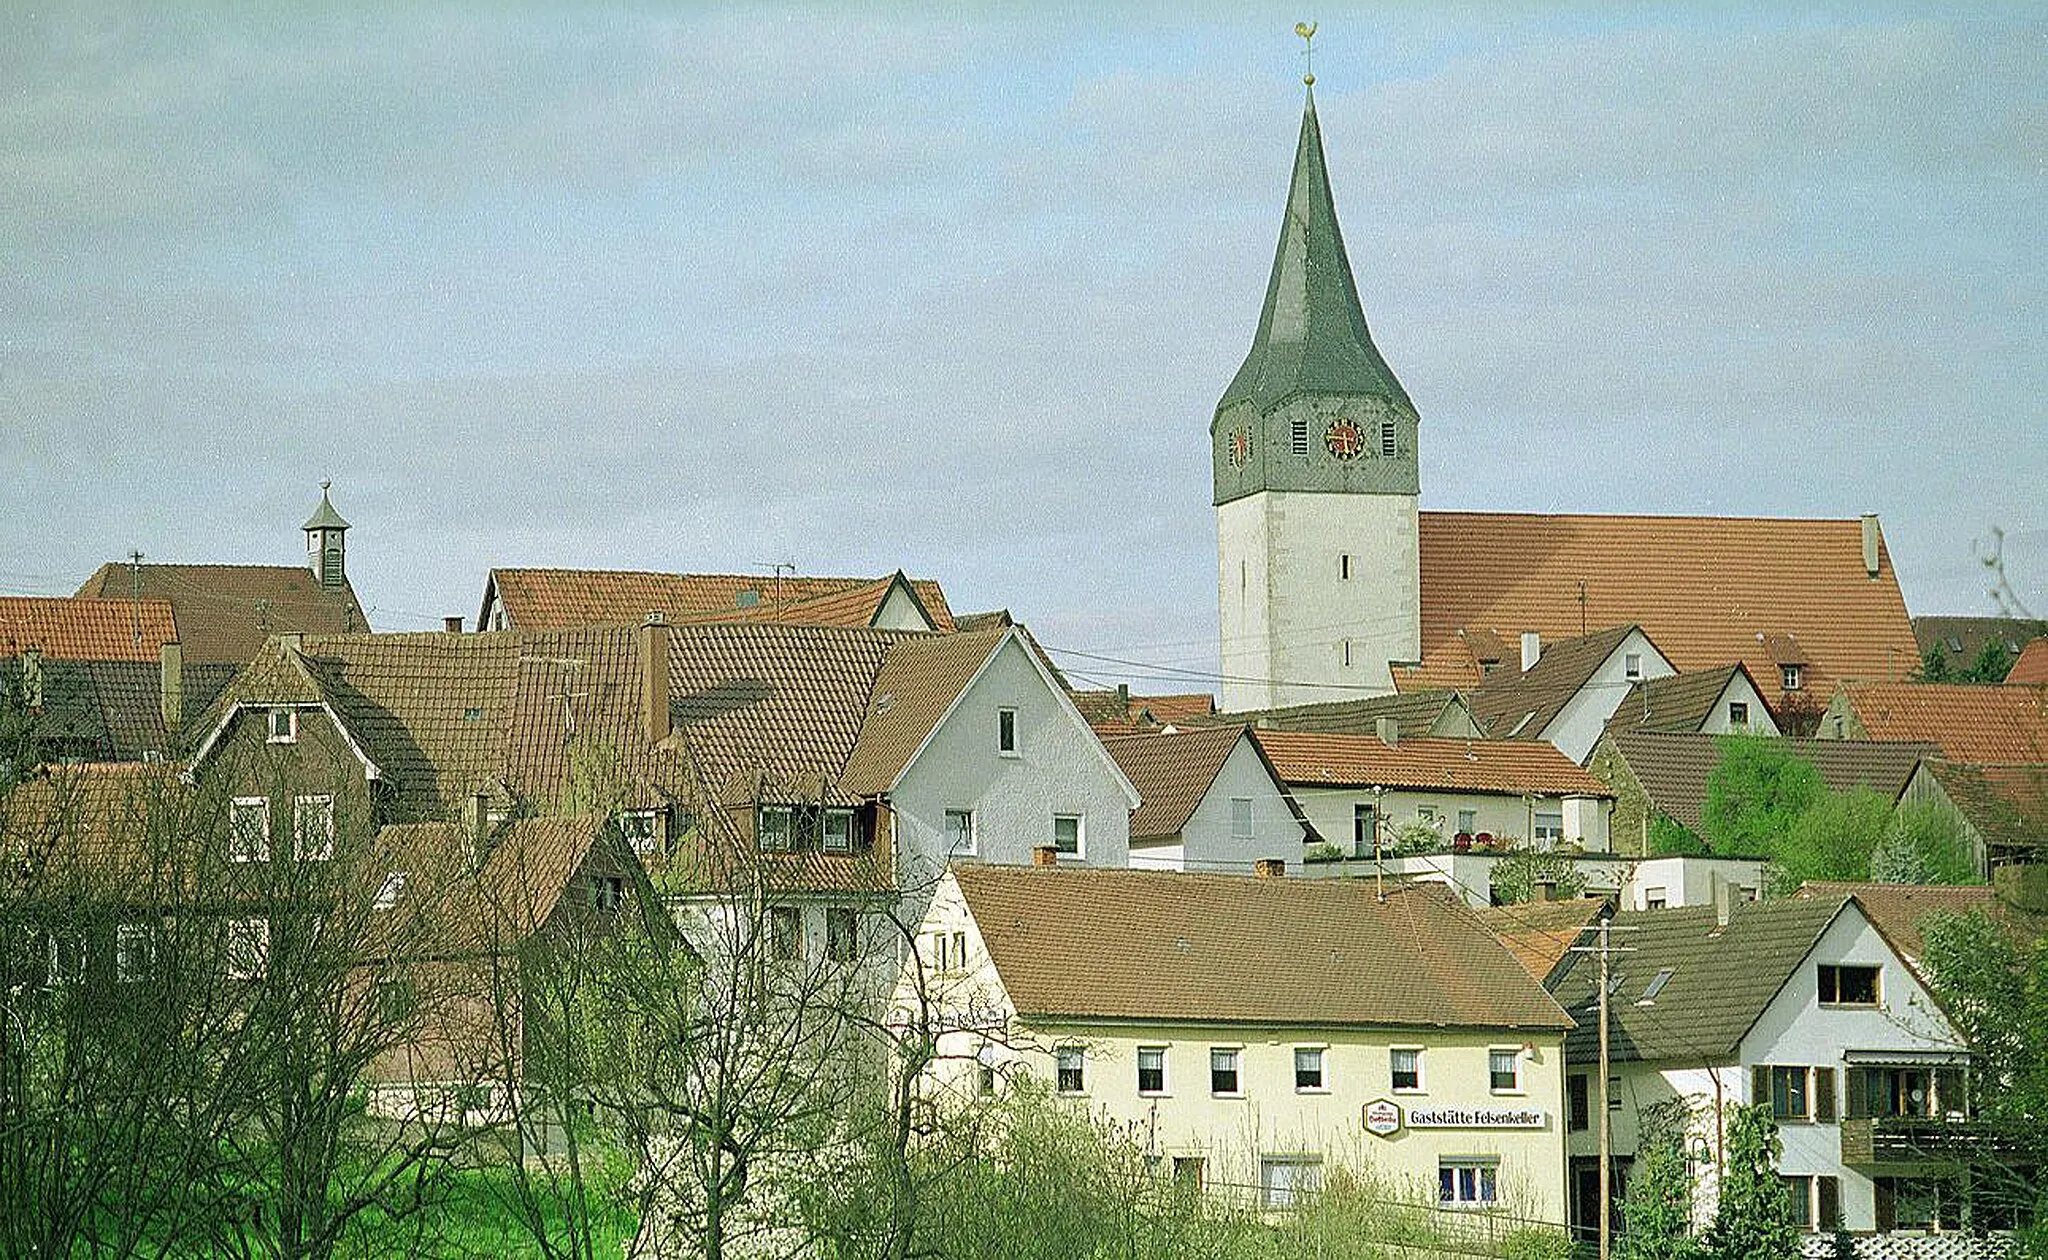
x: 1045, y: 855
x: 1870, y: 544
x: 171, y: 668
x: 654, y: 712
x: 1532, y: 649
x: 451, y: 625
x: 1270, y: 868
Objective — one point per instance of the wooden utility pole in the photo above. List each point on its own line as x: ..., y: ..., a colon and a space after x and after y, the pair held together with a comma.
x: 1604, y: 951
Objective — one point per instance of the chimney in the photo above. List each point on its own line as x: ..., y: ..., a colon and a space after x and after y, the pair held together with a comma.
x: 1045, y: 855
x: 1544, y: 889
x: 654, y: 677
x: 32, y: 679
x: 1532, y: 649
x: 1724, y: 901
x: 171, y: 667
x: 1270, y: 868
x: 1870, y: 544
x: 451, y: 625
x: 291, y: 643
x: 1388, y: 729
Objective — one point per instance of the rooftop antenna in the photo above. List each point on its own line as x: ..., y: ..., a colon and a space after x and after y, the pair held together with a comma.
x: 1582, y: 608
x: 777, y: 569
x: 1307, y: 31
x: 135, y: 591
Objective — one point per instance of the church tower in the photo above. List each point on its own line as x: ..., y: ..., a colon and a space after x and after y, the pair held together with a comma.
x: 327, y: 543
x: 1314, y: 446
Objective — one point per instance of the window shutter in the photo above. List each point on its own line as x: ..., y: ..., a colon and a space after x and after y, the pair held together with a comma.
x: 1948, y: 1089
x: 1858, y: 1081
x: 1830, y: 1202
x: 1824, y: 1094
x: 1887, y: 1206
x: 1760, y: 1086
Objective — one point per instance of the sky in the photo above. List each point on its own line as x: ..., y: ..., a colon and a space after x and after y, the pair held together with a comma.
x: 956, y: 290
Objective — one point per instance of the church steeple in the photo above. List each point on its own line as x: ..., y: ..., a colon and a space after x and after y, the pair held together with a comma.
x: 327, y: 542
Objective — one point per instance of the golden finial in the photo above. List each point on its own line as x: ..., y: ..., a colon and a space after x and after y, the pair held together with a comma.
x: 1307, y: 31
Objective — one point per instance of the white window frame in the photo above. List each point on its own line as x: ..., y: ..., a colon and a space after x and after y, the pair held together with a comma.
x: 1080, y: 850
x: 134, y: 951
x: 1468, y: 821
x: 1546, y: 826
x: 324, y: 850
x: 764, y: 834
x: 972, y: 847
x: 1007, y: 742
x: 389, y: 893
x: 1514, y: 1054
x: 1062, y: 1057
x: 1738, y: 715
x: 786, y: 943
x: 56, y: 972
x: 1139, y: 1077
x: 1235, y: 1054
x: 290, y: 734
x: 1273, y: 1196
x: 1322, y: 1062
x: 1792, y: 677
x: 843, y: 842
x: 1421, y: 1085
x: 246, y: 953
x: 642, y: 830
x: 1242, y: 812
x: 1479, y: 1166
x: 842, y: 933
x: 1632, y: 666
x: 237, y: 850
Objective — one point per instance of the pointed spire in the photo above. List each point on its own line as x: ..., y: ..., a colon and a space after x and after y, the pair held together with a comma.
x: 1312, y: 336
x: 324, y: 516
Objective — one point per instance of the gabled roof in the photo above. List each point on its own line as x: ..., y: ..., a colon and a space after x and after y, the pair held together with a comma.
x: 1704, y: 588
x: 1521, y: 705
x: 1219, y: 949
x: 224, y: 612
x: 86, y: 630
x: 918, y: 684
x: 1673, y: 767
x: 555, y: 599
x: 1509, y: 767
x: 1677, y: 702
x: 1980, y: 725
x: 2007, y: 805
x: 1415, y: 714
x: 1902, y: 911
x: 113, y: 710
x: 1540, y: 934
x: 2031, y: 669
x: 1174, y: 770
x: 1961, y: 639
x: 1722, y: 979
x: 1118, y: 710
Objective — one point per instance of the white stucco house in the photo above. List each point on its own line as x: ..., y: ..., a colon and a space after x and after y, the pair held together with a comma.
x: 1212, y: 801
x: 1566, y: 692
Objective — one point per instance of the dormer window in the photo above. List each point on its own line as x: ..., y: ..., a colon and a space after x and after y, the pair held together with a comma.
x: 283, y: 726
x: 773, y: 827
x: 1793, y: 676
x: 838, y: 831
x: 642, y: 830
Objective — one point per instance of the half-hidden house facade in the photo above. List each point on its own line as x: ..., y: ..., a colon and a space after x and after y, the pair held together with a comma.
x: 1802, y: 1004
x: 1252, y: 1033
x: 1211, y: 801
x: 1565, y: 692
x: 1724, y: 701
x: 562, y: 599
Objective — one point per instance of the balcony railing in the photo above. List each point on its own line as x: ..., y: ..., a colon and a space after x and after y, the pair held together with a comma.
x: 1922, y: 1139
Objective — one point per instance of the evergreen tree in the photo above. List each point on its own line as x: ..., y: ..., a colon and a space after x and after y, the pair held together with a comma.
x: 1754, y: 1219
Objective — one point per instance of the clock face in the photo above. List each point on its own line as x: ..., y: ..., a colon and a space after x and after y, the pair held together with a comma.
x: 1240, y: 447
x: 1344, y: 439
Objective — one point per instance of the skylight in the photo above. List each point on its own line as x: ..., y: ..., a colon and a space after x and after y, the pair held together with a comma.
x: 1656, y: 986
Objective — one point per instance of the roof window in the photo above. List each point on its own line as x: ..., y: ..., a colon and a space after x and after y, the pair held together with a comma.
x: 1656, y: 986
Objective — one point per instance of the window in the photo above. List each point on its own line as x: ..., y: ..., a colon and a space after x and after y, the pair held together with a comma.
x: 1344, y: 567
x: 1066, y: 834
x: 1240, y: 818
x: 1830, y: 1198
x: 1738, y: 713
x: 1187, y: 1174
x: 1308, y: 1069
x: 941, y: 953
x: 1504, y: 1071
x: 1387, y: 447
x: 642, y: 830
x: 248, y: 948
x: 1361, y: 830
x: 66, y: 958
x: 1468, y: 821
x: 1578, y: 1102
x: 1297, y: 436
x: 1069, y: 1064
x: 960, y: 833
x: 1656, y: 898
x: 774, y: 827
x: 1467, y: 1183
x: 134, y: 952
x: 959, y: 951
x: 1406, y: 1063
x: 1285, y: 1179
x: 842, y: 933
x: 607, y: 893
x: 313, y: 828
x: 1824, y: 1095
x: 1632, y: 666
x: 1006, y: 731
x: 1799, y: 1190
x: 1223, y: 1075
x: 395, y: 998
x: 1848, y: 986
x: 1656, y: 985
x: 1549, y: 825
x: 838, y: 831
x: 393, y: 889
x: 1614, y: 1093
x: 1903, y: 1091
x: 1151, y: 1069
x: 283, y: 726
x: 1426, y: 814
x: 786, y: 931
x: 249, y: 829
x: 1793, y: 676
x: 985, y: 1074
x: 1788, y: 1092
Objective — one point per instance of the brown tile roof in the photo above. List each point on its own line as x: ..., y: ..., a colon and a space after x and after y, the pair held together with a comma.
x: 1510, y: 767
x: 2031, y: 669
x: 1704, y: 588
x: 1980, y: 725
x: 1171, y: 772
x: 1540, y: 934
x: 1520, y: 705
x: 224, y: 612
x: 1678, y: 702
x: 555, y: 599
x: 91, y: 826
x: 1415, y: 714
x: 1118, y: 710
x: 1673, y: 767
x: 1220, y: 949
x: 86, y: 630
x: 1901, y: 911
x: 1961, y: 639
x: 918, y: 682
x: 2008, y: 805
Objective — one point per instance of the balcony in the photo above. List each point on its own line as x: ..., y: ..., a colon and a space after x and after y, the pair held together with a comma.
x: 1923, y: 1139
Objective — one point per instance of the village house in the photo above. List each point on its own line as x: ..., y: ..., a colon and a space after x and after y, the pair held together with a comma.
x: 1723, y: 701
x: 1442, y: 713
x: 562, y: 599
x: 1253, y: 1033
x: 1211, y: 801
x: 1565, y: 692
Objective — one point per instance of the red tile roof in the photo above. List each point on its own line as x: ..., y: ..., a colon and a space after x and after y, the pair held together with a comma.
x: 1171, y: 772
x: 2031, y: 669
x: 1540, y: 934
x: 1901, y: 911
x: 1708, y: 590
x: 557, y: 599
x: 1980, y: 725
x: 224, y: 612
x: 86, y: 630
x: 2008, y: 805
x: 1510, y: 767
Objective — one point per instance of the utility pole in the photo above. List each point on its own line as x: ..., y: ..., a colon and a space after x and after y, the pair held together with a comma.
x: 1604, y: 951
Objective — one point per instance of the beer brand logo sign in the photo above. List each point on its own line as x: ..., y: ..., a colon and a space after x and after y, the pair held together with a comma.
x: 1381, y: 1117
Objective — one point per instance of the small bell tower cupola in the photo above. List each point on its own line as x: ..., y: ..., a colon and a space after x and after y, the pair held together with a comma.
x: 327, y: 543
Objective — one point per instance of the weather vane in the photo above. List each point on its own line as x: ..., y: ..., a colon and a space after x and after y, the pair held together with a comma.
x: 1307, y: 31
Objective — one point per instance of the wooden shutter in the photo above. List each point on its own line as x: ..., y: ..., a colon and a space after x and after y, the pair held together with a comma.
x: 1858, y: 1081
x: 1830, y: 1202
x: 1760, y: 1085
x: 1887, y: 1206
x: 1824, y: 1094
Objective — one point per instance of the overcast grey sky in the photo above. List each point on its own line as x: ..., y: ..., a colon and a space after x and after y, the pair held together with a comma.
x: 956, y: 292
